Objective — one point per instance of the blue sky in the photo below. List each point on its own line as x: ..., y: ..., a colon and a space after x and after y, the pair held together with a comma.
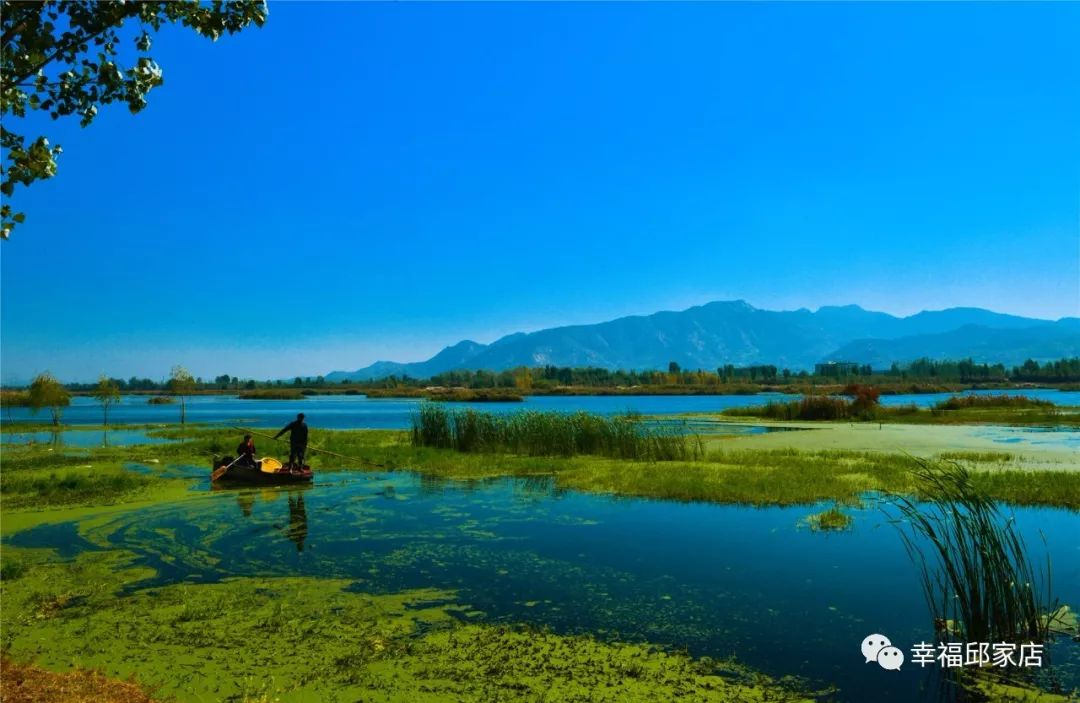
x: 356, y: 182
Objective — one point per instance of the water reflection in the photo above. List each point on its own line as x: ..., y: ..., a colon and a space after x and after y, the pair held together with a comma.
x: 296, y: 529
x: 246, y: 501
x: 298, y: 526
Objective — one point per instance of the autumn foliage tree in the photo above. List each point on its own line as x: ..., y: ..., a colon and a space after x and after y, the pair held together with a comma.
x: 46, y: 392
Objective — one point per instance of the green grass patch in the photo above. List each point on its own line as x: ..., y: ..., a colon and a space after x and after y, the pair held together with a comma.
x: 551, y: 434
x: 832, y: 520
x: 12, y: 567
x: 98, y: 485
x: 978, y: 457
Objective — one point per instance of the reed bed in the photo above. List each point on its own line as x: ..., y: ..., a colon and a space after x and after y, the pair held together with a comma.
x: 535, y: 433
x: 963, y: 402
x: 1002, y: 410
x: 813, y: 407
x: 273, y: 394
x: 14, y: 399
x: 977, y: 576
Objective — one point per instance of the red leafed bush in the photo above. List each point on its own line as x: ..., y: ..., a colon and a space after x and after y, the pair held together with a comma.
x: 865, y: 398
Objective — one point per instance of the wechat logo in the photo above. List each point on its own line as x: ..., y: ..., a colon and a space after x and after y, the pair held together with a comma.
x: 878, y: 648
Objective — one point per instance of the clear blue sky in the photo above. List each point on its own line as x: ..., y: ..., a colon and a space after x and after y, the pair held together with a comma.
x: 364, y: 181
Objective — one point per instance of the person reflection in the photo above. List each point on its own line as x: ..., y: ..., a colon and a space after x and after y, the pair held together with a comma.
x: 298, y: 528
x: 246, y: 501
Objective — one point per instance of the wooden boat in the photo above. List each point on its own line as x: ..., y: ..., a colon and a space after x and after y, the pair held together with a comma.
x: 266, y: 472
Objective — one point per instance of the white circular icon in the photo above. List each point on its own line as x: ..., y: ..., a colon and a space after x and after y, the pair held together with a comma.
x: 874, y: 644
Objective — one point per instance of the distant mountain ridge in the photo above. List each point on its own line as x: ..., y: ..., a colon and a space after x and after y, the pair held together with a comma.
x: 734, y: 332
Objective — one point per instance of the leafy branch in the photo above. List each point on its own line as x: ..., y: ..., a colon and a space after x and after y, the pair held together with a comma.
x: 63, y: 57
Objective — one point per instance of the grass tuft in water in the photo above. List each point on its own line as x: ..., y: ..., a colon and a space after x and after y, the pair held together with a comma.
x: 832, y: 520
x: 534, y: 433
x: 976, y: 573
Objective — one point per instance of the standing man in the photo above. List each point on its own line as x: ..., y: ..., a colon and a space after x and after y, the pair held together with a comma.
x: 297, y: 430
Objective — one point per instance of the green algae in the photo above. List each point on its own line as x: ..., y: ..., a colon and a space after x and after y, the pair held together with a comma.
x: 993, y: 687
x: 309, y: 639
x: 31, y: 514
x: 504, y: 663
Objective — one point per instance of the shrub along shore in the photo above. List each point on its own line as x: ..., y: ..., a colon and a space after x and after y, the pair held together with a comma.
x: 863, y: 406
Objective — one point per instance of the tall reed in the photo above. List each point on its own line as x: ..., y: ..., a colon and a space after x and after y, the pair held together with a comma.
x: 974, y: 566
x: 551, y: 434
x: 811, y: 407
x: 959, y: 402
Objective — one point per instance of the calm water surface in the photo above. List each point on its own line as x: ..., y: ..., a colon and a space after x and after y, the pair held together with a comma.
x: 351, y: 411
x: 82, y: 439
x: 716, y: 580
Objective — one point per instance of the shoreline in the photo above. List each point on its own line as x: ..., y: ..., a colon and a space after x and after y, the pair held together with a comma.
x: 794, y: 388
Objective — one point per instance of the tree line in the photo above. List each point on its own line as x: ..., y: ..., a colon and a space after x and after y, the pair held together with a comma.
x: 46, y: 392
x: 921, y: 370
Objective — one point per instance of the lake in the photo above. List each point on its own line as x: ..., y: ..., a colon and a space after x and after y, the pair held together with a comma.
x: 361, y: 412
x: 717, y: 580
x: 84, y: 439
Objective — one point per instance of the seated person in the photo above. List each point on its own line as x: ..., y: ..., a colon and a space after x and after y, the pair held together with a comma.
x: 246, y: 452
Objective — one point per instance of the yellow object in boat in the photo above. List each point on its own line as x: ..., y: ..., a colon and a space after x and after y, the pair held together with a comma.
x: 269, y: 465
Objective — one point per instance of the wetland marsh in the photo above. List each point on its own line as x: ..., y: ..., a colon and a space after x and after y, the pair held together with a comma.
x: 491, y: 574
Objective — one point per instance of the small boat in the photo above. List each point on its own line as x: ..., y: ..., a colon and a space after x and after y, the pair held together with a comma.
x: 266, y: 472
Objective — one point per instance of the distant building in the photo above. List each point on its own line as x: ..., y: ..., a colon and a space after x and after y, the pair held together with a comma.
x: 836, y: 368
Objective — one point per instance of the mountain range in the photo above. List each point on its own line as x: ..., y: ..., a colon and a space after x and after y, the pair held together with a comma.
x: 734, y: 332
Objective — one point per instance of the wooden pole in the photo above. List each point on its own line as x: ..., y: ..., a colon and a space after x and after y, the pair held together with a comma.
x: 314, y: 449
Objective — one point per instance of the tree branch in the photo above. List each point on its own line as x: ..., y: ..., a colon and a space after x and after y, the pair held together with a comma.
x: 19, y: 24
x: 77, y: 41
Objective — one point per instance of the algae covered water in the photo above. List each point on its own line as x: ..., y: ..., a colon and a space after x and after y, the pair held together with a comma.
x: 716, y: 580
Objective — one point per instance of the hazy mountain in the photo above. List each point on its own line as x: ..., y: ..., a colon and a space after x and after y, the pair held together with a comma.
x: 734, y: 332
x: 1011, y: 346
x: 458, y: 356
